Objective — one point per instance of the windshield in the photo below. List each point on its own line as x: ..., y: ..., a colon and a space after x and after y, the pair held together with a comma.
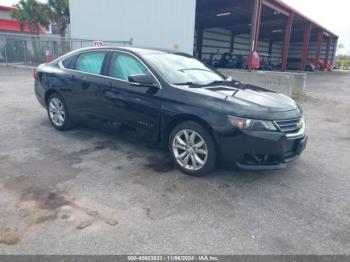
x: 178, y: 69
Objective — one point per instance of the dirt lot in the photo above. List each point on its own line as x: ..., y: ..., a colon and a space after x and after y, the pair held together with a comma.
x: 89, y: 192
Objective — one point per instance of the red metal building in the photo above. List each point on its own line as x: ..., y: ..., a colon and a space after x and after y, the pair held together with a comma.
x: 8, y: 24
x: 269, y: 26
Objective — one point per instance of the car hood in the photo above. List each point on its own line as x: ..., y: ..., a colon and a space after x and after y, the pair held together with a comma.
x: 248, y: 100
x: 253, y: 96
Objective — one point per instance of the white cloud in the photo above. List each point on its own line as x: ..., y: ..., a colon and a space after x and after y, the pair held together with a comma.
x: 8, y: 2
x: 12, y: 2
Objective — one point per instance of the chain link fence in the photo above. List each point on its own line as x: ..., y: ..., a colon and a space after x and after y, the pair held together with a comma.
x: 36, y: 49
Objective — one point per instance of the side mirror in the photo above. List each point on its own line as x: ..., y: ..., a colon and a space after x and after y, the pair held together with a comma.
x: 142, y: 80
x: 229, y: 79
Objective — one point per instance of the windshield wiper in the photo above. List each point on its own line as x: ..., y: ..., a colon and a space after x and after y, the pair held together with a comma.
x: 201, y: 85
x: 194, y: 69
x: 216, y: 82
x: 186, y: 84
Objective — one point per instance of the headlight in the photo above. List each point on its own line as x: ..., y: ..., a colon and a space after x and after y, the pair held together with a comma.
x: 300, y: 109
x: 301, y: 125
x: 252, y: 124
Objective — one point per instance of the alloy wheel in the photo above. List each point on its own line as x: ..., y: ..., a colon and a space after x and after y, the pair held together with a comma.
x: 190, y: 149
x: 57, y: 112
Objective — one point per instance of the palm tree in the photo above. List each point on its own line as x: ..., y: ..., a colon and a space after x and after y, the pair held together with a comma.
x: 340, y: 48
x: 58, y: 11
x: 35, y: 15
x: 32, y: 13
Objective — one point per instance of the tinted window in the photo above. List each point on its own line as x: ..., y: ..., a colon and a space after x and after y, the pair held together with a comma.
x: 123, y: 65
x: 180, y: 69
x: 90, y: 62
x: 68, y: 62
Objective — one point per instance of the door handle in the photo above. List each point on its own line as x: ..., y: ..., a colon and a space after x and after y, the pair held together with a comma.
x: 72, y: 77
x: 112, y: 95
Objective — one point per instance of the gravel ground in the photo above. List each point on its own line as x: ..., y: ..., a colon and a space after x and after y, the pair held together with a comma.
x: 90, y: 192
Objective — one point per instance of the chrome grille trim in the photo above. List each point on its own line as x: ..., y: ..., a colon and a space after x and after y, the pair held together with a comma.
x: 290, y: 127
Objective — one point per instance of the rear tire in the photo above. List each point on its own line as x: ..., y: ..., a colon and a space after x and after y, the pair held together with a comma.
x: 192, y: 149
x: 57, y: 112
x: 309, y: 68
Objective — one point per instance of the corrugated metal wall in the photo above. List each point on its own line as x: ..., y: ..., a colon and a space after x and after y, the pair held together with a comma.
x: 295, y: 50
x: 276, y: 54
x: 241, y: 45
x: 217, y: 41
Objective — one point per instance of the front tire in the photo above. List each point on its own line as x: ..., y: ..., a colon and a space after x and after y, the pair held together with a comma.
x: 192, y: 149
x: 58, y: 113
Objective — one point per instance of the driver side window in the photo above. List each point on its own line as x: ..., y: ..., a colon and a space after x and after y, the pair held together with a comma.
x: 123, y: 65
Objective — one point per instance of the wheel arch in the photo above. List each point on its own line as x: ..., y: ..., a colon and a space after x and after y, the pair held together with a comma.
x: 48, y: 93
x: 183, y: 118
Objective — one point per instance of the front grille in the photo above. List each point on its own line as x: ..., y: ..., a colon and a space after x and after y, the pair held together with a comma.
x: 291, y: 127
x: 260, y: 159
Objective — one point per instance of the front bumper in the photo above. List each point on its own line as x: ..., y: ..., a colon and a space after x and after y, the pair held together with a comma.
x: 260, y: 150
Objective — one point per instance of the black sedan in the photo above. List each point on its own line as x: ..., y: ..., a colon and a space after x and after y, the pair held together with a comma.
x: 174, y: 100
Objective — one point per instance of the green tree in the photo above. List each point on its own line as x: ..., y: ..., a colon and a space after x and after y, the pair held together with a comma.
x: 343, y: 62
x: 59, y: 14
x: 35, y: 15
x: 32, y: 13
x: 58, y: 11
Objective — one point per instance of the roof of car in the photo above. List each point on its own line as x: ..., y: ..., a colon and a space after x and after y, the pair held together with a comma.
x: 138, y: 50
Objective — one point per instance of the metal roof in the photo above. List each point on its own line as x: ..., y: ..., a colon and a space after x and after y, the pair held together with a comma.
x: 6, y: 8
x: 273, y: 20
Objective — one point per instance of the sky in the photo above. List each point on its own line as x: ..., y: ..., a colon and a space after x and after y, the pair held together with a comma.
x: 332, y: 14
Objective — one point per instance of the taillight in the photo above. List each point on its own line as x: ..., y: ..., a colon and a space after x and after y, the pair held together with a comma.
x: 35, y: 74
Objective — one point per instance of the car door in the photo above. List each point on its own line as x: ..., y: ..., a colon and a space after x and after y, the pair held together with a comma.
x: 136, y: 108
x: 86, y: 76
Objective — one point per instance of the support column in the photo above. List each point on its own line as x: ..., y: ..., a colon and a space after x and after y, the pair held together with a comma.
x: 335, y: 46
x: 328, y: 49
x: 258, y: 23
x: 285, y: 50
x: 232, y: 43
x: 270, y: 47
x: 199, y: 42
x: 319, y: 44
x: 305, y: 52
x: 254, y: 30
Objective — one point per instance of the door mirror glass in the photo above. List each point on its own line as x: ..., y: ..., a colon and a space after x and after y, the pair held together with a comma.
x: 142, y: 80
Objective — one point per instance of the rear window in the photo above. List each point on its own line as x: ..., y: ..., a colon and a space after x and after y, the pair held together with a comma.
x: 90, y: 62
x: 68, y: 62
